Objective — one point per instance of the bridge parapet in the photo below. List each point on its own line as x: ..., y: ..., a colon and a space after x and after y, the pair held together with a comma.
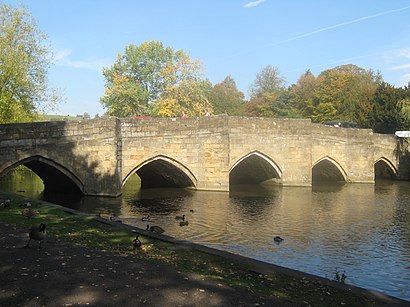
x: 98, y: 156
x: 85, y: 152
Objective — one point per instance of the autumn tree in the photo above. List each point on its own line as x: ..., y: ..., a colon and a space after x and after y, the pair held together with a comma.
x: 225, y: 98
x: 346, y: 92
x: 145, y: 75
x: 25, y: 58
x: 187, y: 97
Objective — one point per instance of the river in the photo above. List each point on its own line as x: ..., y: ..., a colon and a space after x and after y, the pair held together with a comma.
x: 361, y: 230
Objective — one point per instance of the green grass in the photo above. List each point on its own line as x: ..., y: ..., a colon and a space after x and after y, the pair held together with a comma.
x: 86, y: 231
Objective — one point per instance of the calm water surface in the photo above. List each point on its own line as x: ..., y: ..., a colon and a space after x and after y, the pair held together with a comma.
x: 360, y: 229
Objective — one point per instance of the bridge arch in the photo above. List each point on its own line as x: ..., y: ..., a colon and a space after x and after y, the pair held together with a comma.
x: 384, y: 169
x: 328, y: 169
x: 162, y: 171
x: 56, y: 178
x: 255, y: 167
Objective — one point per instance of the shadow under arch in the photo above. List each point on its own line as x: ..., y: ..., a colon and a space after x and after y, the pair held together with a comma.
x: 254, y: 168
x: 384, y: 169
x: 55, y: 177
x: 329, y: 170
x: 163, y: 172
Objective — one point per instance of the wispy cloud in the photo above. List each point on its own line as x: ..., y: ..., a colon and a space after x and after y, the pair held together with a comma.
x: 324, y: 29
x: 399, y: 60
x: 62, y: 58
x: 401, y: 55
x: 342, y: 24
x: 253, y: 3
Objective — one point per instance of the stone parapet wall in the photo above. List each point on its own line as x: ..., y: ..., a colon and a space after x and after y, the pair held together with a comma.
x: 86, y: 151
x: 99, y: 155
x: 352, y: 149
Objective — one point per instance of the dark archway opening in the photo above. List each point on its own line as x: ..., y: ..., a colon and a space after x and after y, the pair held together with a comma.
x: 162, y: 174
x: 55, y: 179
x: 326, y: 172
x: 383, y: 170
x: 253, y: 170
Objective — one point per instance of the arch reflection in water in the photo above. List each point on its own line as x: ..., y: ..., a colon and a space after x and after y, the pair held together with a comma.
x: 358, y: 228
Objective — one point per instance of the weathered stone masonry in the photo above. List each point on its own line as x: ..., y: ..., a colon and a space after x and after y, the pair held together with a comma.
x: 97, y: 156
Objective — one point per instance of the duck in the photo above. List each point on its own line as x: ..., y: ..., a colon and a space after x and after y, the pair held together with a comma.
x: 136, y: 243
x: 183, y: 223
x: 37, y: 233
x: 180, y: 217
x: 192, y: 210
x: 6, y: 203
x: 25, y: 205
x: 156, y: 229
x: 278, y: 239
x: 145, y: 219
x: 29, y: 213
x: 113, y: 218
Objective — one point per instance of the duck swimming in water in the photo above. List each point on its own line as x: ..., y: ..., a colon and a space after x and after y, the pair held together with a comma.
x: 180, y: 217
x: 155, y: 229
x: 183, y: 223
x: 278, y: 239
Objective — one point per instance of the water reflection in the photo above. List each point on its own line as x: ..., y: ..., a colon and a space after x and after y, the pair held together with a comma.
x: 363, y: 229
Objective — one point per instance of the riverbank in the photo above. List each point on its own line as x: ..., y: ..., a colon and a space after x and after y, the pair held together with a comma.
x: 87, y: 259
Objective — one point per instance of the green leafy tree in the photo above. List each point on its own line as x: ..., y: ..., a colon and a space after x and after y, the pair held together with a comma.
x: 391, y: 109
x: 349, y: 89
x: 284, y: 106
x: 225, y: 98
x: 140, y: 76
x: 301, y: 94
x: 25, y: 58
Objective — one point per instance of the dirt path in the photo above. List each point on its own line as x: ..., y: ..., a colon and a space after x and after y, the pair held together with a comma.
x: 62, y: 274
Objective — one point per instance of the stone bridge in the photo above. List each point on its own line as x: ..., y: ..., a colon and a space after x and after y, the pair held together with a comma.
x: 96, y: 157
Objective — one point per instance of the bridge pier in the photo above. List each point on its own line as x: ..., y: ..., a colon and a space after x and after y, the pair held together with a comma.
x: 96, y: 157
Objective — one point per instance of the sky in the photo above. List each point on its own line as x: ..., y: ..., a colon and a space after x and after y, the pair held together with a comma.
x: 229, y: 37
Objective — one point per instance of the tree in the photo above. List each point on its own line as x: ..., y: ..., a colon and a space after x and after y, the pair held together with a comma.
x: 226, y: 98
x: 390, y: 109
x: 188, y: 97
x: 143, y: 74
x: 302, y: 93
x: 349, y: 89
x: 268, y: 80
x: 24, y: 61
x: 265, y: 91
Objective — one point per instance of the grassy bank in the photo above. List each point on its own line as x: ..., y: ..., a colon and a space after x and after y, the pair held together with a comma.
x: 85, y: 230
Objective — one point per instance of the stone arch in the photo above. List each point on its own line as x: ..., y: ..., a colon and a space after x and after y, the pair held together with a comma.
x: 56, y: 178
x: 384, y: 169
x: 162, y: 171
x: 328, y: 169
x: 254, y: 167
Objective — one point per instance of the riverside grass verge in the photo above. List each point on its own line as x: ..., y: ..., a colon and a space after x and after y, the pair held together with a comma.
x: 86, y: 231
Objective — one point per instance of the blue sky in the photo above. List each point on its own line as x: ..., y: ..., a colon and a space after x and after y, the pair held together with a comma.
x: 230, y: 37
